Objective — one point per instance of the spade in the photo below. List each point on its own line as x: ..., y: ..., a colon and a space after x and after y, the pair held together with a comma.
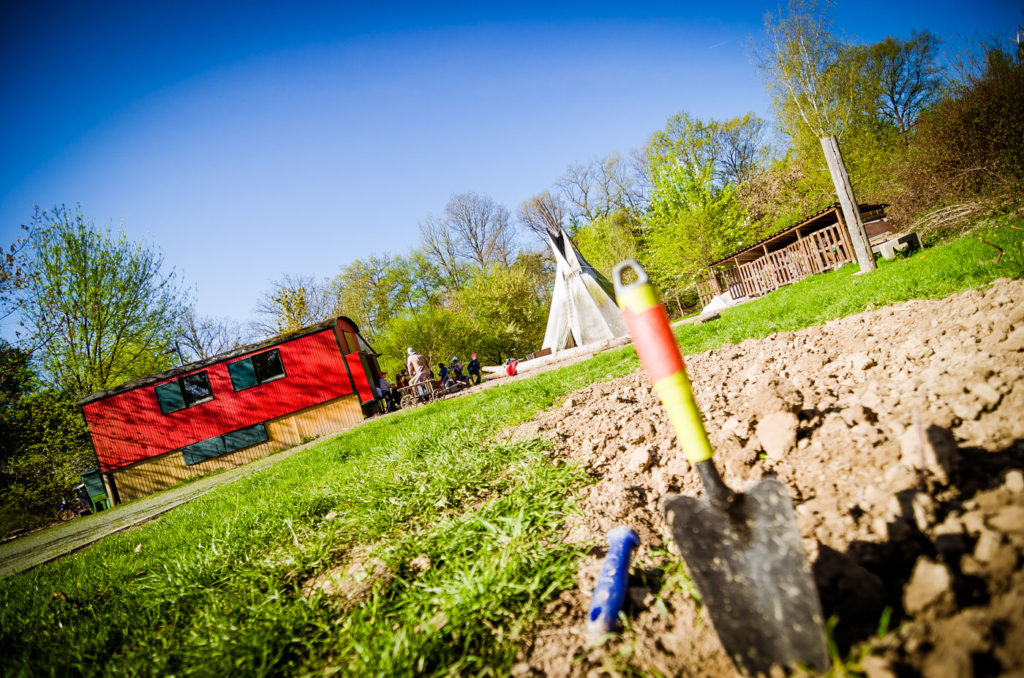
x: 742, y: 549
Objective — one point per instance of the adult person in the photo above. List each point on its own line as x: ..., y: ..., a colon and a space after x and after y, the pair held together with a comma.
x: 473, y: 368
x: 386, y: 394
x: 419, y: 369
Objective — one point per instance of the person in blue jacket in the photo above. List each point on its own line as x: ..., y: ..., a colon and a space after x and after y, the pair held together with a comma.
x: 473, y: 368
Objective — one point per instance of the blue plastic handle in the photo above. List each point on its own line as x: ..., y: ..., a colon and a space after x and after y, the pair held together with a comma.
x: 610, y: 589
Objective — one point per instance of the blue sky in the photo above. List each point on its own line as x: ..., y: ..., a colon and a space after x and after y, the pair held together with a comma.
x: 252, y: 140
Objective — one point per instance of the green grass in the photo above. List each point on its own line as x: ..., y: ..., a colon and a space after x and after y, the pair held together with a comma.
x: 215, y: 586
x: 933, y: 273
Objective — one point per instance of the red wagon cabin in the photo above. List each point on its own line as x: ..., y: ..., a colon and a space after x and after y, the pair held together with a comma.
x: 230, y: 409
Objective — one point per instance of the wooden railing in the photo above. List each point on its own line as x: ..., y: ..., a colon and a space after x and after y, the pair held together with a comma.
x: 816, y: 252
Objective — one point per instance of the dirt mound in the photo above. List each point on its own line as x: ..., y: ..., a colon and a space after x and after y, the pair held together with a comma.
x: 900, y: 434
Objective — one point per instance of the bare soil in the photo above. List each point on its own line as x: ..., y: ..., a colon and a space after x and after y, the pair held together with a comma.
x: 900, y: 434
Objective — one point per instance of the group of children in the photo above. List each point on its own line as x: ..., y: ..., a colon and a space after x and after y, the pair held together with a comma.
x: 417, y: 371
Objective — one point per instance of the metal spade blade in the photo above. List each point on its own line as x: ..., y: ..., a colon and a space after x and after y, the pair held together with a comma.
x: 744, y: 553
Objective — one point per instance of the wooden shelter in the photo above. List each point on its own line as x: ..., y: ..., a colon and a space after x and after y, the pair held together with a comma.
x: 230, y: 409
x: 816, y: 244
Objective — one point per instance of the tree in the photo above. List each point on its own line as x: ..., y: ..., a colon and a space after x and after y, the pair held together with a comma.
x: 15, y: 274
x: 693, y: 218
x: 474, y: 230
x: 781, y: 194
x: 202, y: 337
x: 542, y: 213
x: 967, y: 148
x: 373, y: 291
x: 293, y: 302
x: 438, y: 332
x: 809, y: 71
x: 741, y: 147
x: 101, y: 310
x: 441, y: 247
x: 508, y: 307
x: 907, y: 75
x: 604, y: 186
x: 607, y: 240
x: 43, y: 443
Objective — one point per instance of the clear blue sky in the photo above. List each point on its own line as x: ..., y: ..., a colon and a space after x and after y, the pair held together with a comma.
x: 249, y: 140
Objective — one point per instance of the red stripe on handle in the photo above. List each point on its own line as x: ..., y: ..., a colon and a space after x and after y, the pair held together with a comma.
x: 654, y: 342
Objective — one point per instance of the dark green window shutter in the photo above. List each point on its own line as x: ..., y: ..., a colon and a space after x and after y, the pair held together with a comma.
x: 201, y: 451
x: 252, y: 435
x: 93, y: 482
x: 169, y: 397
x: 242, y: 374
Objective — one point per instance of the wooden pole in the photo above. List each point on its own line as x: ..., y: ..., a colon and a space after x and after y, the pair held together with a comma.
x: 854, y: 224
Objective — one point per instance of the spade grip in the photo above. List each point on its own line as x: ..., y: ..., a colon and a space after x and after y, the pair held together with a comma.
x: 610, y: 589
x: 647, y: 321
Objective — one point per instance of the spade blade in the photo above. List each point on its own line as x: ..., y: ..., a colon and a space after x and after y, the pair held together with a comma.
x: 745, y: 556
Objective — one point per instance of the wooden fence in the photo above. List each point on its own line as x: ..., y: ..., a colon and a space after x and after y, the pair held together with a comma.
x: 816, y: 252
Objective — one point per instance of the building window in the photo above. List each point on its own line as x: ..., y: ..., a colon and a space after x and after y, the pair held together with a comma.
x: 256, y: 369
x: 185, y: 392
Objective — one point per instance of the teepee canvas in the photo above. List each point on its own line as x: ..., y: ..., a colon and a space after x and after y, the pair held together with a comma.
x: 583, y: 308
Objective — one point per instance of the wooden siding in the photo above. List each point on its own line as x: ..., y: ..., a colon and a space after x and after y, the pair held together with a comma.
x: 160, y: 472
x: 128, y: 427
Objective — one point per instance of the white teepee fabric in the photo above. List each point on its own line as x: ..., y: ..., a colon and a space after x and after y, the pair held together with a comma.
x: 583, y: 308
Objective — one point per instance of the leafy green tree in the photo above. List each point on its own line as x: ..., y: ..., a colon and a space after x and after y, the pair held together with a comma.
x: 101, y: 310
x: 43, y: 443
x: 811, y: 74
x: 607, y: 240
x: 507, y: 307
x: 693, y: 218
x: 438, y: 332
x: 15, y: 274
x: 374, y: 290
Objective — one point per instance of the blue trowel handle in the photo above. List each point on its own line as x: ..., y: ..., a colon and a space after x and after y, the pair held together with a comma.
x: 610, y: 589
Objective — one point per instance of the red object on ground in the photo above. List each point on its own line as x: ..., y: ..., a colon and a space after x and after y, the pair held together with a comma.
x: 510, y: 369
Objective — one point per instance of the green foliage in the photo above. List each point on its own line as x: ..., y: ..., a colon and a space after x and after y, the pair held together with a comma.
x: 498, y: 309
x: 607, y: 240
x: 969, y: 146
x: 101, y: 309
x: 508, y: 308
x: 438, y: 332
x: 868, y: 96
x: 693, y: 217
x: 373, y: 291
x: 43, y: 444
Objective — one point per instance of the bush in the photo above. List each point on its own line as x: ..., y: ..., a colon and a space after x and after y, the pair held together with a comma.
x: 966, y: 155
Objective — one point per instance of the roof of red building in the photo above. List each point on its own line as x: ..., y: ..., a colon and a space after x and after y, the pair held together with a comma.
x: 213, y: 360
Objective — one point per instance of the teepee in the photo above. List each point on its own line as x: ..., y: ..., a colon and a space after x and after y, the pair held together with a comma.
x: 583, y: 306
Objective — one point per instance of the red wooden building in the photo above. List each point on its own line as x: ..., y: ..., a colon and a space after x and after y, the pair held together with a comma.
x: 230, y: 409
